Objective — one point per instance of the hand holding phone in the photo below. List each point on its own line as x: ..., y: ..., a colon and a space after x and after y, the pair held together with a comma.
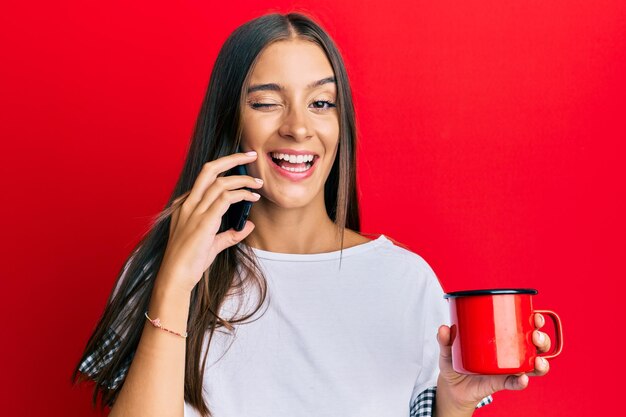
x: 197, y: 216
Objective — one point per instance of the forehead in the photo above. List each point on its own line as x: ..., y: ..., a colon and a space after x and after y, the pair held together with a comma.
x: 293, y: 63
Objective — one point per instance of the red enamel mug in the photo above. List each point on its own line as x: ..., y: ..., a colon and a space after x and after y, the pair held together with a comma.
x: 491, y: 331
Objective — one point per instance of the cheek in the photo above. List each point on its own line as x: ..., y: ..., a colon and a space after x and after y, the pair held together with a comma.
x: 256, y: 132
x: 328, y: 132
x: 328, y: 128
x: 248, y: 130
x: 330, y: 136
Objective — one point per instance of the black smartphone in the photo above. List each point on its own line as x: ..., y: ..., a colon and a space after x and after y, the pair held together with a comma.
x: 237, y: 214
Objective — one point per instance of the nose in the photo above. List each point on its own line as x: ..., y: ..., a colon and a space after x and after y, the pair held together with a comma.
x: 296, y: 125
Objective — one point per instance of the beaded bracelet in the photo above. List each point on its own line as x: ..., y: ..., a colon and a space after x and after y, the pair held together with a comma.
x: 157, y: 323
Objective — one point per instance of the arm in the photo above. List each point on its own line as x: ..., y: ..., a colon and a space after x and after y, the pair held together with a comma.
x: 154, y: 385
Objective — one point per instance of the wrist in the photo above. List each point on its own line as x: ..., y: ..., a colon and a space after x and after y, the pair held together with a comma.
x: 168, y: 284
x: 168, y: 298
x: 169, y: 306
x: 447, y: 405
x: 167, y: 292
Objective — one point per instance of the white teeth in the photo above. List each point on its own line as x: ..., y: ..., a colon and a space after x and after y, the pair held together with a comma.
x: 294, y: 159
x: 308, y: 166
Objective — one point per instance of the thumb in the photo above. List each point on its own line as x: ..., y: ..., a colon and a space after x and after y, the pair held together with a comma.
x: 445, y: 348
x: 231, y: 237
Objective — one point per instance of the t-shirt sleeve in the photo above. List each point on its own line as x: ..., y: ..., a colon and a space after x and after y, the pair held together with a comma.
x: 436, y: 311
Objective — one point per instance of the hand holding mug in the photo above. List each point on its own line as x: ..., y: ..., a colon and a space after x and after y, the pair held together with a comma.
x: 494, y: 343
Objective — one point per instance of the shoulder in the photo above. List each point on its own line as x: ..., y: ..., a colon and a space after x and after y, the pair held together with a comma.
x: 396, y: 259
x: 400, y: 253
x: 424, y: 290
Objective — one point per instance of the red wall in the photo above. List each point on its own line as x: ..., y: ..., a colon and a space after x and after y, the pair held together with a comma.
x: 492, y: 143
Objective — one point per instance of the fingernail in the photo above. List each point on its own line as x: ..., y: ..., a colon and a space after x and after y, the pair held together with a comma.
x: 544, y: 362
x: 540, y: 336
x: 256, y: 195
x: 251, y: 153
x: 259, y: 180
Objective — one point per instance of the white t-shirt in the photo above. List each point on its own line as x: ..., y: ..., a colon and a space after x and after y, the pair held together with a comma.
x: 359, y: 340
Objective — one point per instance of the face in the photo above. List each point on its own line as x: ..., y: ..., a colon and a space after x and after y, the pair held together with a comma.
x: 291, y: 121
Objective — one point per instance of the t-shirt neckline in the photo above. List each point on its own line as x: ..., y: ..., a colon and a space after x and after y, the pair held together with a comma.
x: 300, y: 257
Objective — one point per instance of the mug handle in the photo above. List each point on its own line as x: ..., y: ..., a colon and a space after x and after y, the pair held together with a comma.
x: 558, y: 330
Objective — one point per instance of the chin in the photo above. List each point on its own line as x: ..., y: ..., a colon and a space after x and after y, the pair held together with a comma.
x: 291, y: 201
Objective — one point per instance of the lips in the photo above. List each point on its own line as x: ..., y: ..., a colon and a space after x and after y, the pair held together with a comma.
x: 291, y: 164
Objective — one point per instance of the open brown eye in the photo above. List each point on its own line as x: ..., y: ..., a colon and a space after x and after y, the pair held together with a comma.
x: 325, y: 104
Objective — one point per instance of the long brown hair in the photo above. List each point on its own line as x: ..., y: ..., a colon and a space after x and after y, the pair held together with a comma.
x: 217, y: 133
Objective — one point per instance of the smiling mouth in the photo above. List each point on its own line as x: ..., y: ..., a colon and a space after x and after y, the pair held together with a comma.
x: 293, y: 163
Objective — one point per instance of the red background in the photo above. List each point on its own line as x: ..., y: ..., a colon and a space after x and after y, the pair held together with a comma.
x: 491, y: 143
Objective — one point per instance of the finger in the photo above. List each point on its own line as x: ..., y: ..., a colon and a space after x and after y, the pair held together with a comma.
x: 231, y: 237
x: 539, y: 320
x: 224, y: 201
x: 222, y: 184
x: 542, y: 366
x: 509, y: 382
x: 212, y: 169
x: 516, y: 382
x: 542, y: 341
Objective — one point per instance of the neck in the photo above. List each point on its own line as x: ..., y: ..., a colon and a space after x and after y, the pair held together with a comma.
x: 299, y: 230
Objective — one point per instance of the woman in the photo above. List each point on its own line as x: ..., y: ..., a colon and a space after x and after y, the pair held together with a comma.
x: 297, y: 313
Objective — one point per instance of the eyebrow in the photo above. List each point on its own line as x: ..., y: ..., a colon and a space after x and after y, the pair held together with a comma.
x: 278, y: 87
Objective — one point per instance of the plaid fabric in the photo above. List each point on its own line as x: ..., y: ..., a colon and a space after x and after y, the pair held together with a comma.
x: 424, y: 403
x: 92, y: 365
